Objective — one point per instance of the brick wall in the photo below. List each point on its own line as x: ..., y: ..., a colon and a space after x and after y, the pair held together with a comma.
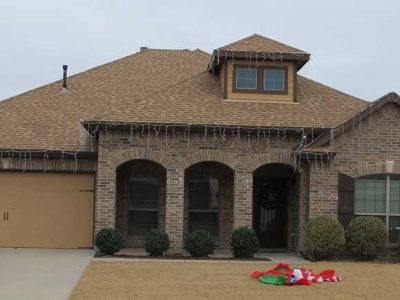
x: 178, y: 153
x: 361, y: 150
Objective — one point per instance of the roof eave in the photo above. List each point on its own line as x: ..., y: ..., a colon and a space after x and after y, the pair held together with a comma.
x: 219, y: 56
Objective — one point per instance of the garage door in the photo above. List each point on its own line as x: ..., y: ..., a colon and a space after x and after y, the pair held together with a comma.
x: 46, y: 210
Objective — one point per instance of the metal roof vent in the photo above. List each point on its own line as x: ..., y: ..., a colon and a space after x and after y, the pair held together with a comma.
x: 64, y: 86
x: 143, y: 49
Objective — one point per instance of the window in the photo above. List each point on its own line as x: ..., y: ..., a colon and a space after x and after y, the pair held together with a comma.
x: 379, y: 195
x: 143, y: 205
x: 274, y: 79
x: 263, y: 79
x: 204, y: 204
x: 246, y: 78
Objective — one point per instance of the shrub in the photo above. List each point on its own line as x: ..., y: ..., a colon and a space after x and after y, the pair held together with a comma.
x: 109, y: 241
x: 324, y: 237
x: 366, y: 237
x: 398, y: 244
x: 244, y: 242
x: 200, y: 243
x: 156, y: 242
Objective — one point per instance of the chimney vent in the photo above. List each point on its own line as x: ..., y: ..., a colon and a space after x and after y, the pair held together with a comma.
x: 143, y: 49
x: 64, y: 86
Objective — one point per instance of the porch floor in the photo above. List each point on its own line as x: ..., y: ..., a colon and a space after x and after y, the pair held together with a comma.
x: 288, y: 257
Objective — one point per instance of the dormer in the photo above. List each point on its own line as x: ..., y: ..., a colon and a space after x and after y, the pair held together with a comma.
x: 257, y: 68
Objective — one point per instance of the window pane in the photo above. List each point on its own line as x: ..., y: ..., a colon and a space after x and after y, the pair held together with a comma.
x: 251, y: 73
x: 204, y: 221
x: 251, y: 83
x: 140, y: 222
x: 269, y: 85
x: 144, y: 193
x: 394, y: 229
x: 268, y: 75
x: 204, y: 193
x: 241, y: 73
x: 274, y: 80
x: 246, y: 78
x: 394, y: 195
x: 241, y: 83
x: 370, y: 196
x: 278, y: 85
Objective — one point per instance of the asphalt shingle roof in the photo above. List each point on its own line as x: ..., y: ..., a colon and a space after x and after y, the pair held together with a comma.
x: 155, y: 86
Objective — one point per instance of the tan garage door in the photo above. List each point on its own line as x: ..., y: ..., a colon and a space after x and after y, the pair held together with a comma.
x: 46, y: 210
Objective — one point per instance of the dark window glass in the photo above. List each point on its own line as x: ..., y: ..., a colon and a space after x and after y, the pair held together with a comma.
x: 141, y: 222
x: 205, y: 221
x: 143, y: 205
x: 144, y: 193
x: 246, y: 78
x: 394, y: 229
x: 204, y: 204
x: 274, y: 80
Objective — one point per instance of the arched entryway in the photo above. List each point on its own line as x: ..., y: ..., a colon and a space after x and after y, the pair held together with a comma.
x: 141, y: 194
x: 209, y: 200
x: 273, y: 196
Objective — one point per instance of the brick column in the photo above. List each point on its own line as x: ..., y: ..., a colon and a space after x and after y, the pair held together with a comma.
x: 243, y: 199
x: 174, y: 214
x: 105, y: 195
x: 303, y: 203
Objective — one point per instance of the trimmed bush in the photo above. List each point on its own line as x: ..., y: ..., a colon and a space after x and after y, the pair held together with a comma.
x: 109, y: 241
x: 398, y: 244
x: 200, y: 243
x: 244, y: 242
x: 156, y: 242
x: 366, y: 237
x: 324, y: 238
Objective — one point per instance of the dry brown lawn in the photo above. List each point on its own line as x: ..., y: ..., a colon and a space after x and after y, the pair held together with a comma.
x: 221, y: 280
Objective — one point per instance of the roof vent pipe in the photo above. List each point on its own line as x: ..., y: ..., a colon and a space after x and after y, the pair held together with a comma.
x: 64, y: 87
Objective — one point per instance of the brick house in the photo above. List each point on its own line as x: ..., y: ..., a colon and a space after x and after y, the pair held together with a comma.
x: 182, y: 140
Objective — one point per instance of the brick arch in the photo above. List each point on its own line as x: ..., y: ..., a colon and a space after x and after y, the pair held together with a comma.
x: 370, y: 169
x: 227, y: 159
x: 285, y: 158
x: 155, y: 156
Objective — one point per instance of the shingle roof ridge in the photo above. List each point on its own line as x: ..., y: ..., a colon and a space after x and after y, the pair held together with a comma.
x: 295, y: 50
x: 201, y: 52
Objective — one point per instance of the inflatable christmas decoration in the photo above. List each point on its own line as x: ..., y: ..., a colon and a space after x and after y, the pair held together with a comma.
x: 283, y: 274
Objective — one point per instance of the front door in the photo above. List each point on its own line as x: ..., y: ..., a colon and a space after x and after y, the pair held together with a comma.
x: 270, y: 211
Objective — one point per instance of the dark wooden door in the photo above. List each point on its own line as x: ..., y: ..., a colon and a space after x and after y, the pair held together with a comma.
x: 270, y: 211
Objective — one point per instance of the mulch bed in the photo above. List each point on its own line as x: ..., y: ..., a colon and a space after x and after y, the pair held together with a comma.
x: 179, y: 257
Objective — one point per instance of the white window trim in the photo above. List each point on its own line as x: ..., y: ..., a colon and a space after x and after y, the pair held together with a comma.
x: 283, y: 78
x: 246, y: 88
x: 387, y: 213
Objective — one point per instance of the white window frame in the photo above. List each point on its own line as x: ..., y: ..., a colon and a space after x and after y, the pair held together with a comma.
x: 387, y: 213
x: 273, y: 80
x: 246, y: 88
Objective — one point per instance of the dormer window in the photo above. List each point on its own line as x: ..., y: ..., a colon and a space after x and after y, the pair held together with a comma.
x: 263, y: 79
x: 246, y: 78
x: 274, y: 79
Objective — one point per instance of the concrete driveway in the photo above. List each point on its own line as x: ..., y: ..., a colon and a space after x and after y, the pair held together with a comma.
x: 41, y: 273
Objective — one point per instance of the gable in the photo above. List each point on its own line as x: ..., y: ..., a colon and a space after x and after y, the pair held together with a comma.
x: 389, y: 103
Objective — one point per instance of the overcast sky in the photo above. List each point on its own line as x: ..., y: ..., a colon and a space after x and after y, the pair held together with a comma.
x: 354, y: 45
